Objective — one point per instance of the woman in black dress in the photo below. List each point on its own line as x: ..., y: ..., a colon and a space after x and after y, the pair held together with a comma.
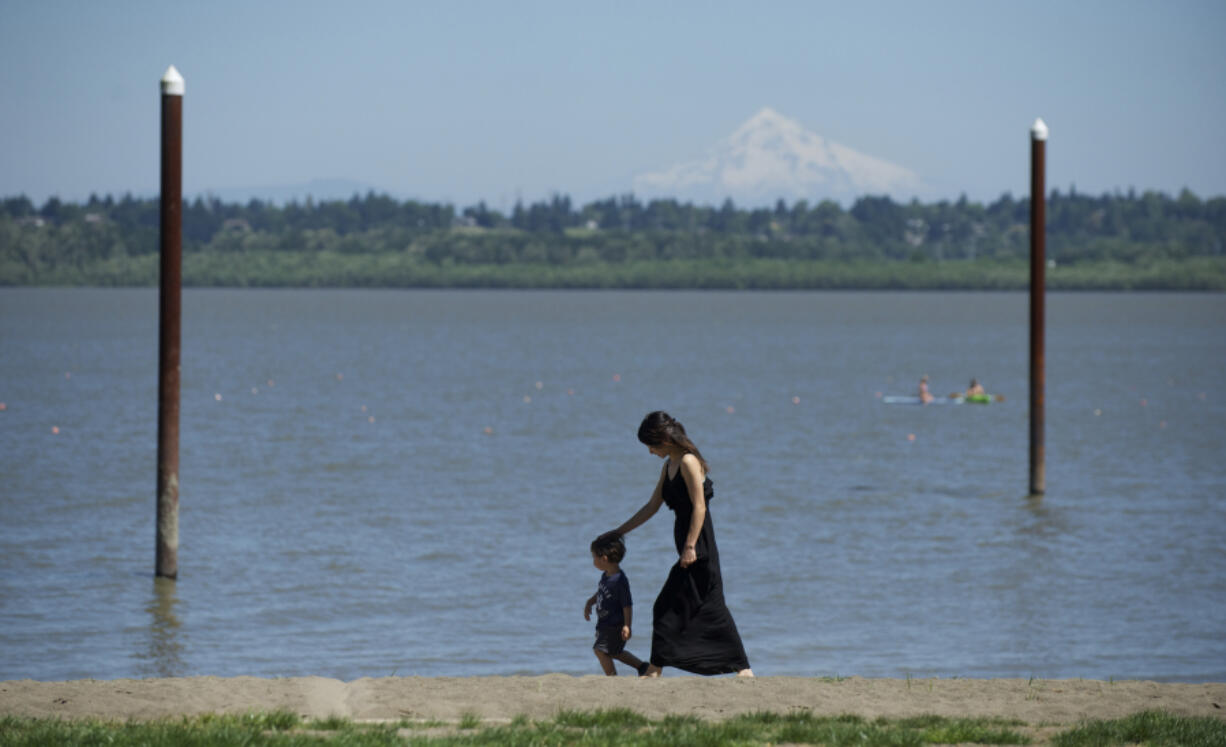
x: 691, y: 626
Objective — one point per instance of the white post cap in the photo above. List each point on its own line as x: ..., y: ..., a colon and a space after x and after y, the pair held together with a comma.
x: 1038, y: 130
x: 172, y: 82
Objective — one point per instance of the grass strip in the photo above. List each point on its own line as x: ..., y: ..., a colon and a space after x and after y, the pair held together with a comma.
x: 614, y: 727
x: 328, y: 269
x: 1155, y: 728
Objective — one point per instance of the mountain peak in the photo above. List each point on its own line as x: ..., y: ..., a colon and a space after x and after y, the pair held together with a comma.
x: 766, y: 123
x: 771, y: 156
x: 768, y: 117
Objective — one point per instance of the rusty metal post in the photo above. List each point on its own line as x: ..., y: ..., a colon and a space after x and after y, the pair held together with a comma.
x: 170, y: 312
x: 1038, y: 266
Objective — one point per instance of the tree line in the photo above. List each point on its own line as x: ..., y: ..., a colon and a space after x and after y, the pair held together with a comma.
x: 1175, y: 241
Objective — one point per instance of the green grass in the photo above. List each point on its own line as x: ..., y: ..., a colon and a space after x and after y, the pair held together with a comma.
x: 331, y: 723
x: 1150, y: 728
x: 209, y: 729
x: 270, y: 268
x: 614, y: 727
x: 612, y: 718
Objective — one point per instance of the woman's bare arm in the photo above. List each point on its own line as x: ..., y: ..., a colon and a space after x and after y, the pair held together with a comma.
x: 691, y: 469
x: 649, y: 508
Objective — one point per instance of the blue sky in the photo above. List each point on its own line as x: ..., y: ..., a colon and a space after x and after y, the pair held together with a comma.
x: 460, y: 101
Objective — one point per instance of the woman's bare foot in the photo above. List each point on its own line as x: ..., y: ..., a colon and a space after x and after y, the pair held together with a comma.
x: 652, y: 671
x: 746, y: 672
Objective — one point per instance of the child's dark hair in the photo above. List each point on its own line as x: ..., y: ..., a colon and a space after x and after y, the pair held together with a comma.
x: 610, y: 545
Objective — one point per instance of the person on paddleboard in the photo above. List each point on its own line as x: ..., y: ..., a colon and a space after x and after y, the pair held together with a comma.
x: 925, y: 396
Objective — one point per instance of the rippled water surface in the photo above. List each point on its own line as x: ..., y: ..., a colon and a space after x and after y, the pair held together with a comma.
x: 406, y: 482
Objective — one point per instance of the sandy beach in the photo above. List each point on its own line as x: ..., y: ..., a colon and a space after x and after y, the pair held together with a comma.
x: 493, y: 699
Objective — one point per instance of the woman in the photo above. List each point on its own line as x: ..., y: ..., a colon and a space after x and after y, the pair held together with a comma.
x: 691, y: 626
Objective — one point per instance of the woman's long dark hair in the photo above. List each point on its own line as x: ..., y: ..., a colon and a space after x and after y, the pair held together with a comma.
x: 661, y: 429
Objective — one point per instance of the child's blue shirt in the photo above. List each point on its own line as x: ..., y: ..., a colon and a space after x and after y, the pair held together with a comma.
x: 612, y: 594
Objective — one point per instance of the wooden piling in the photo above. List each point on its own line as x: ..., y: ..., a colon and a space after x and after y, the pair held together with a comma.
x: 1038, y: 267
x: 170, y: 312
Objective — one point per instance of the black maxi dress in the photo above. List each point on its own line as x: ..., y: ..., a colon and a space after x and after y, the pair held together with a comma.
x: 692, y: 628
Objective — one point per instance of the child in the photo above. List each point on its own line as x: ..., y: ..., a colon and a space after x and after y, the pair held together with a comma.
x: 613, y: 606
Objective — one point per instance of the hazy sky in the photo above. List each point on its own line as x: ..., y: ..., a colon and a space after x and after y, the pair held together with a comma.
x: 461, y: 101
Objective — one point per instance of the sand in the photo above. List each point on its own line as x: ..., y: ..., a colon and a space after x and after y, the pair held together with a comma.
x: 495, y: 699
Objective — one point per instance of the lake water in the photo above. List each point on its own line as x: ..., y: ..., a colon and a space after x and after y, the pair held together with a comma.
x: 380, y: 482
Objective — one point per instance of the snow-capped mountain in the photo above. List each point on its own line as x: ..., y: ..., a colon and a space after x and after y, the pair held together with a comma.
x: 772, y: 157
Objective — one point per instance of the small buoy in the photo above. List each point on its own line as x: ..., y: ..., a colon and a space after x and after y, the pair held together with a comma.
x: 488, y: 431
x: 527, y: 399
x: 730, y: 409
x: 618, y: 377
x: 1097, y: 412
x: 3, y: 407
x: 796, y: 400
x: 340, y: 377
x: 540, y: 385
x: 910, y: 436
x: 217, y: 397
x: 55, y: 429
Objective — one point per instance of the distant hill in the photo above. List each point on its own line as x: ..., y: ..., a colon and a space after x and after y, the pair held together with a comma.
x: 772, y: 157
x: 1146, y: 241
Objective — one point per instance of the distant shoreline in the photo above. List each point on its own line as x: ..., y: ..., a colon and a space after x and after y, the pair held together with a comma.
x: 1035, y: 701
x: 335, y: 270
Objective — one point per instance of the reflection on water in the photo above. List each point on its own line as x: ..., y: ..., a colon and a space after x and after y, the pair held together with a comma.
x: 165, y: 654
x: 1042, y: 517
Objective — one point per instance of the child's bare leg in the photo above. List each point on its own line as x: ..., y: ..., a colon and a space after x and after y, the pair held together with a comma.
x: 606, y: 663
x: 625, y: 657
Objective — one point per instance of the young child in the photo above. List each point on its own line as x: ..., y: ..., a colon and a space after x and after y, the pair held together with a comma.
x: 613, y: 606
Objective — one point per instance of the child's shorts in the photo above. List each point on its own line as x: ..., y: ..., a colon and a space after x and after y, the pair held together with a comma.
x: 609, y: 640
